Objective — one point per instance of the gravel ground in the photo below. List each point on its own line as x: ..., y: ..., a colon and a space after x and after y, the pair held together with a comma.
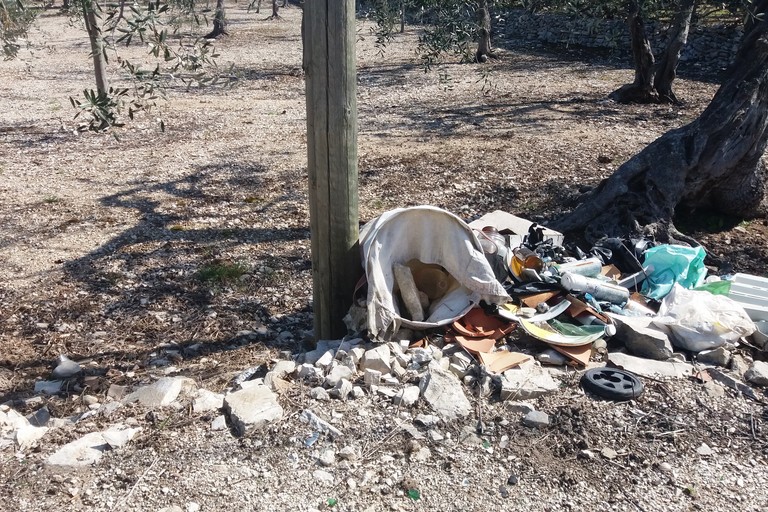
x: 105, y: 244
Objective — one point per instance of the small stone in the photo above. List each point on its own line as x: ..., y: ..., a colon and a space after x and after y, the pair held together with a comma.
x: 407, y: 397
x: 117, y: 392
x: 326, y: 359
x: 704, y: 450
x: 327, y: 457
x: 586, y: 454
x: 348, y: 453
x: 513, y: 479
x: 526, y: 382
x: 357, y: 392
x: 342, y: 390
x: 420, y: 355
x: 377, y: 358
x: 371, y: 377
x: 193, y: 507
x: 427, y: 420
x: 519, y: 407
x: 423, y: 454
x: 336, y: 375
x: 90, y: 400
x: 641, y: 339
x: 757, y: 373
x: 609, y: 453
x: 206, y: 401
x: 717, y: 356
x: 319, y: 393
x: 308, y: 371
x: 714, y: 389
x: 444, y: 393
x: 323, y: 477
x: 536, y: 419
x: 252, y: 408
x: 219, y: 423
x: 435, y: 436
x: 665, y: 467
x: 162, y: 392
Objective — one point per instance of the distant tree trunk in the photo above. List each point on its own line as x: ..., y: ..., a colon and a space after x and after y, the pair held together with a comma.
x: 219, y: 22
x: 275, y: 9
x: 666, y: 69
x: 402, y: 16
x: 65, y: 5
x: 484, y: 51
x: 97, y: 45
x: 641, y: 90
x: 715, y: 162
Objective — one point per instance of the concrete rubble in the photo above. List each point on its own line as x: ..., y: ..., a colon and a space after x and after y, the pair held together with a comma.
x: 252, y: 408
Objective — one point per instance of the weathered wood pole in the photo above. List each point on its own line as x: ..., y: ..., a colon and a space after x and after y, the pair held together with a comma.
x: 329, y: 66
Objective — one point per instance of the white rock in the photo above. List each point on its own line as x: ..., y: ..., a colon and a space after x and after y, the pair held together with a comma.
x: 407, y: 397
x: 326, y: 359
x: 317, y: 423
x: 427, y: 420
x: 348, y: 453
x: 650, y: 368
x: 219, y: 423
x: 89, y: 448
x: 206, y: 401
x: 526, y: 382
x: 252, y: 408
x: 519, y: 407
x: 323, y: 477
x: 27, y: 436
x: 162, y: 392
x: 357, y: 392
x: 371, y: 377
x: 321, y: 348
x: 377, y: 358
x: 719, y: 356
x: 336, y: 375
x: 445, y: 394
x: 342, y: 390
x: 309, y: 371
x: 327, y: 457
x: 757, y: 373
x: 421, y: 355
x: 356, y: 354
x: 319, y: 393
x: 536, y: 419
x: 704, y: 450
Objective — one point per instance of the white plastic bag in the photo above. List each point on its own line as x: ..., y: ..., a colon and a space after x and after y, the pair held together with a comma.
x: 699, y: 320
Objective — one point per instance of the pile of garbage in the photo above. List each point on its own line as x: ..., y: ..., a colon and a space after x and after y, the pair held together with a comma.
x: 507, y: 291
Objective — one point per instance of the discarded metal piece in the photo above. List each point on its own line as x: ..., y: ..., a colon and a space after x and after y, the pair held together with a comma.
x: 612, y: 383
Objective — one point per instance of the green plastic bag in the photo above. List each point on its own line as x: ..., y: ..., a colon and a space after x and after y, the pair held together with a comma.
x: 670, y: 264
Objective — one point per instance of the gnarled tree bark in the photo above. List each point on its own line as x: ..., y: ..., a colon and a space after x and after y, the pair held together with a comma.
x: 219, y: 22
x: 666, y: 69
x: 715, y: 162
x: 641, y: 90
x: 484, y: 51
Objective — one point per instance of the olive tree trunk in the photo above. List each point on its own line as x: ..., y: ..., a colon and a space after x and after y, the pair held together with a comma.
x: 715, y: 162
x: 641, y: 90
x: 484, y: 51
x: 219, y: 22
x: 97, y: 45
x: 666, y: 69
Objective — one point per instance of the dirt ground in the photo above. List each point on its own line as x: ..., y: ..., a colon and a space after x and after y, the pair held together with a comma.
x: 113, y: 251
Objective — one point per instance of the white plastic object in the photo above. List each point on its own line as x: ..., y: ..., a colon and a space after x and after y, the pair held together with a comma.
x: 598, y: 289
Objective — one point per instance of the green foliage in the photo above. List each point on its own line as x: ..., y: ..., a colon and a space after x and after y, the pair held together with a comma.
x: 221, y: 272
x: 15, y: 20
x: 166, y: 29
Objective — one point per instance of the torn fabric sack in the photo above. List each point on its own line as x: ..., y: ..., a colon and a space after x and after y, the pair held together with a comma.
x: 434, y: 237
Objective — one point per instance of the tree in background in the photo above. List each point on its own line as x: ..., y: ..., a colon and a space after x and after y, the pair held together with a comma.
x: 15, y: 20
x: 715, y: 162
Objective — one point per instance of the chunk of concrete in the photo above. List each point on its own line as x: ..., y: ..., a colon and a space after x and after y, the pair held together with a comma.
x: 65, y: 368
x: 407, y: 396
x: 88, y: 449
x: 758, y: 373
x: 650, y: 368
x: 527, y: 381
x: 206, y: 401
x: 377, y: 358
x: 536, y: 419
x: 252, y: 408
x: 337, y: 375
x: 162, y: 392
x: 445, y: 394
x: 719, y: 356
x: 641, y: 338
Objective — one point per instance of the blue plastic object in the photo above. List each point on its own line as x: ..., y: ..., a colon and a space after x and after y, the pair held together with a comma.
x: 670, y: 264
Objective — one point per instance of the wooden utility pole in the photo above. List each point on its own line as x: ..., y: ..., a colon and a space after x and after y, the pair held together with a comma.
x: 329, y: 65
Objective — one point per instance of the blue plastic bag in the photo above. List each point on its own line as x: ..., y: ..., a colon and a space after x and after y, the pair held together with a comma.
x: 670, y: 264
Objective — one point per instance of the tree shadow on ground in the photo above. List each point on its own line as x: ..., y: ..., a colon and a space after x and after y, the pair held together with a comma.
x: 188, y: 272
